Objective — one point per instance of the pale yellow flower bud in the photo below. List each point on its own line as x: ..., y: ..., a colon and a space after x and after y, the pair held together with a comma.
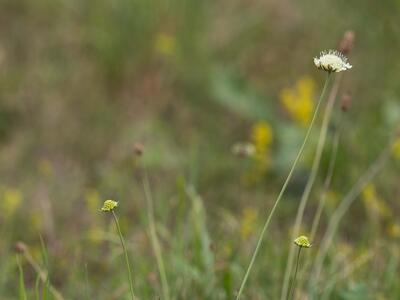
x: 302, y: 241
x: 109, y: 205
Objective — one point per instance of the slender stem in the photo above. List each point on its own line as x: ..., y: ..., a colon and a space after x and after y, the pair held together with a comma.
x: 37, y: 284
x: 126, y: 255
x: 327, y: 183
x: 322, y: 198
x: 299, y: 154
x: 293, y: 283
x: 22, y: 290
x: 46, y: 266
x: 87, y: 282
x: 154, y: 238
x: 311, y: 179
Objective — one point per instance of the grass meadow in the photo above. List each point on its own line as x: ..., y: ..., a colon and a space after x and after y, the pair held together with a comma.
x: 235, y: 167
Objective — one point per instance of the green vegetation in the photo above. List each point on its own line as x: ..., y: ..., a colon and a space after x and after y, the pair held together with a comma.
x: 190, y: 114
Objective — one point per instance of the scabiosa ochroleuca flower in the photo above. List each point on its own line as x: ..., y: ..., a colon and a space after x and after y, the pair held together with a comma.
x: 332, y: 61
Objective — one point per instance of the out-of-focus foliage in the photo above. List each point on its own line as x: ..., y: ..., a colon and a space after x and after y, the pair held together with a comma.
x: 82, y: 81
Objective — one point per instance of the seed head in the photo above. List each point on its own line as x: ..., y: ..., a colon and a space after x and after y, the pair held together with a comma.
x: 345, y: 102
x: 302, y: 241
x: 109, y: 205
x: 20, y: 247
x: 138, y: 149
x: 347, y: 42
x: 332, y: 61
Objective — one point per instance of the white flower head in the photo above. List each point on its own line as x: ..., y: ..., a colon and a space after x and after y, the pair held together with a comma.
x: 332, y: 61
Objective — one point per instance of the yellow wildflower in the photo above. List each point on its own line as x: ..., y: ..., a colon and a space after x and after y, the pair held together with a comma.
x: 261, y: 136
x: 369, y: 192
x: 165, y: 44
x: 305, y: 86
x: 12, y: 199
x: 261, y: 140
x: 393, y: 230
x: 248, y: 222
x: 374, y: 203
x: 299, y: 100
x: 396, y: 149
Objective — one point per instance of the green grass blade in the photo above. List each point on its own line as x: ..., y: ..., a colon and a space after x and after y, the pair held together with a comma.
x: 22, y: 290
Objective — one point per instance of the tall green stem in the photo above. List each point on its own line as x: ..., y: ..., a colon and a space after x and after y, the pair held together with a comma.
x: 126, y: 255
x: 283, y: 189
x: 154, y: 238
x: 311, y: 179
x: 22, y: 290
x: 327, y: 183
x: 293, y: 284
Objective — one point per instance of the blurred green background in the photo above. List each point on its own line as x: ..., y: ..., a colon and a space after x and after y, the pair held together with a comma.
x: 82, y: 82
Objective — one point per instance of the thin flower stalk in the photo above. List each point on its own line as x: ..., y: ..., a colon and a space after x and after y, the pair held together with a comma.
x: 311, y: 179
x: 87, y: 289
x: 327, y: 183
x: 154, y: 238
x: 293, y: 283
x: 125, y: 254
x: 283, y: 189
x: 301, y: 242
x: 110, y: 206
x: 324, y: 193
x: 22, y: 290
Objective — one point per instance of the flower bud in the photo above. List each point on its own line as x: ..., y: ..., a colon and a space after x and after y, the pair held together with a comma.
x: 302, y: 241
x: 138, y: 149
x: 109, y: 205
x: 20, y: 247
x: 345, y: 102
x: 347, y: 42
